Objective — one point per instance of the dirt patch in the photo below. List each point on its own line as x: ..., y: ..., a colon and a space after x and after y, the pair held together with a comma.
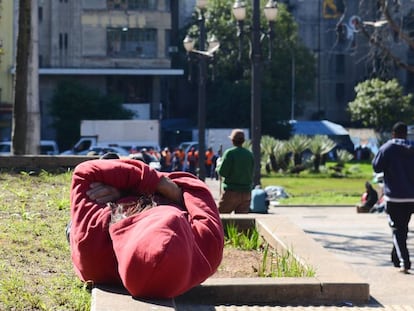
x: 238, y: 263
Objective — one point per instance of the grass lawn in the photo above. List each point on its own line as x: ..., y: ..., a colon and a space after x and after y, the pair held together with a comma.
x: 35, y: 267
x: 321, y: 188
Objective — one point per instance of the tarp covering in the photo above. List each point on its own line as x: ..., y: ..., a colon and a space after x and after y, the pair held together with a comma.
x: 323, y: 127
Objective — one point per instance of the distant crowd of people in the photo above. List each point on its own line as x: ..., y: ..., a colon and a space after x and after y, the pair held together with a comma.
x: 178, y: 160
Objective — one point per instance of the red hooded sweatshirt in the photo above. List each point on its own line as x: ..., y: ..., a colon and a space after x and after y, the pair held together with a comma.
x: 159, y: 253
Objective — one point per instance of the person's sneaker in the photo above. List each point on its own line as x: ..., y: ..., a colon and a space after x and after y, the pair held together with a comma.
x: 404, y: 271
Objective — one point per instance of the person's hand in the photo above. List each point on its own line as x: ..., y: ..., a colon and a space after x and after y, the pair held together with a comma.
x: 167, y: 188
x: 103, y: 193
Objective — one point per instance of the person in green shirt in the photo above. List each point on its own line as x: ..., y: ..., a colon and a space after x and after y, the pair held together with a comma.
x: 235, y: 167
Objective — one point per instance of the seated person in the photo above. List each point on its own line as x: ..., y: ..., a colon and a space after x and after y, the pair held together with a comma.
x: 368, y: 200
x: 157, y: 234
x: 259, y: 202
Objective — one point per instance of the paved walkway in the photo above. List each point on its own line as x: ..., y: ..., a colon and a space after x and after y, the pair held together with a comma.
x: 361, y: 240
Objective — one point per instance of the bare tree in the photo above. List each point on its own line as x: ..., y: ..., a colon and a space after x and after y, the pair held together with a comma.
x: 386, y: 24
x: 20, y: 91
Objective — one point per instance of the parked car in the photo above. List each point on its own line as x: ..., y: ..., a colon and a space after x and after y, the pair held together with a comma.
x: 47, y: 147
x: 101, y: 150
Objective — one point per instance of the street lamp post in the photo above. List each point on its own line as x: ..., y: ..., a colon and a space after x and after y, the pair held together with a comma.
x: 239, y: 11
x: 201, y: 55
x: 293, y: 80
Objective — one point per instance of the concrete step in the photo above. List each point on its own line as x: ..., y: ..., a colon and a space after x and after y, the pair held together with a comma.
x: 335, y: 283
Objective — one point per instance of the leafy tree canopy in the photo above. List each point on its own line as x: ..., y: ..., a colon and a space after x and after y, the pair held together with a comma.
x: 380, y: 104
x: 229, y: 93
x: 73, y: 102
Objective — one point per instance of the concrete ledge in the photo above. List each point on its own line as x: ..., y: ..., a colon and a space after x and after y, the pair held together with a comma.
x: 334, y: 283
x: 110, y: 299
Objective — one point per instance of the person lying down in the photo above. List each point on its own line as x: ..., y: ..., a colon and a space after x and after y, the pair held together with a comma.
x: 157, y: 234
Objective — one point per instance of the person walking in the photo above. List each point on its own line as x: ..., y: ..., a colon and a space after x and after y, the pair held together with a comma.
x: 209, y: 161
x: 395, y: 159
x: 176, y: 162
x: 166, y: 160
x: 192, y: 161
x: 236, y: 169
x: 216, y: 157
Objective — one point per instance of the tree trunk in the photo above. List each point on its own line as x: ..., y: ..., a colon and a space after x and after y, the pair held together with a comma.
x: 33, y: 108
x: 273, y: 163
x: 19, y: 127
x: 297, y: 159
x: 316, y: 162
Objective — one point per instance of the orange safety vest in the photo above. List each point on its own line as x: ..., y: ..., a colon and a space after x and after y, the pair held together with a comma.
x: 209, y: 157
x: 167, y: 156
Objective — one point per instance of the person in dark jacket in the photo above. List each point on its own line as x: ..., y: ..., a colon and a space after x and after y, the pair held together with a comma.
x: 395, y: 159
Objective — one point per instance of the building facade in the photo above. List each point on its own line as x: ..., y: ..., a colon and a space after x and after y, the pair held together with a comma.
x: 116, y: 46
x: 344, y: 56
x: 121, y: 47
x: 7, y: 16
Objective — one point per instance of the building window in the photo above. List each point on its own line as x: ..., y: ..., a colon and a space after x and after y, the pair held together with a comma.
x: 410, y: 82
x: 340, y: 64
x: 63, y: 41
x: 131, y: 42
x: 168, y: 47
x: 168, y: 5
x: 132, y: 89
x: 340, y: 93
x: 142, y: 4
x: 132, y: 4
x: 40, y: 14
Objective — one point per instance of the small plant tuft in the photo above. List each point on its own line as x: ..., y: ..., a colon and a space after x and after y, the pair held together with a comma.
x: 272, y: 264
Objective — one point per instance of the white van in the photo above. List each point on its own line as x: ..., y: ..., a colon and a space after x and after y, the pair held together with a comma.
x: 48, y: 147
x: 85, y: 143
